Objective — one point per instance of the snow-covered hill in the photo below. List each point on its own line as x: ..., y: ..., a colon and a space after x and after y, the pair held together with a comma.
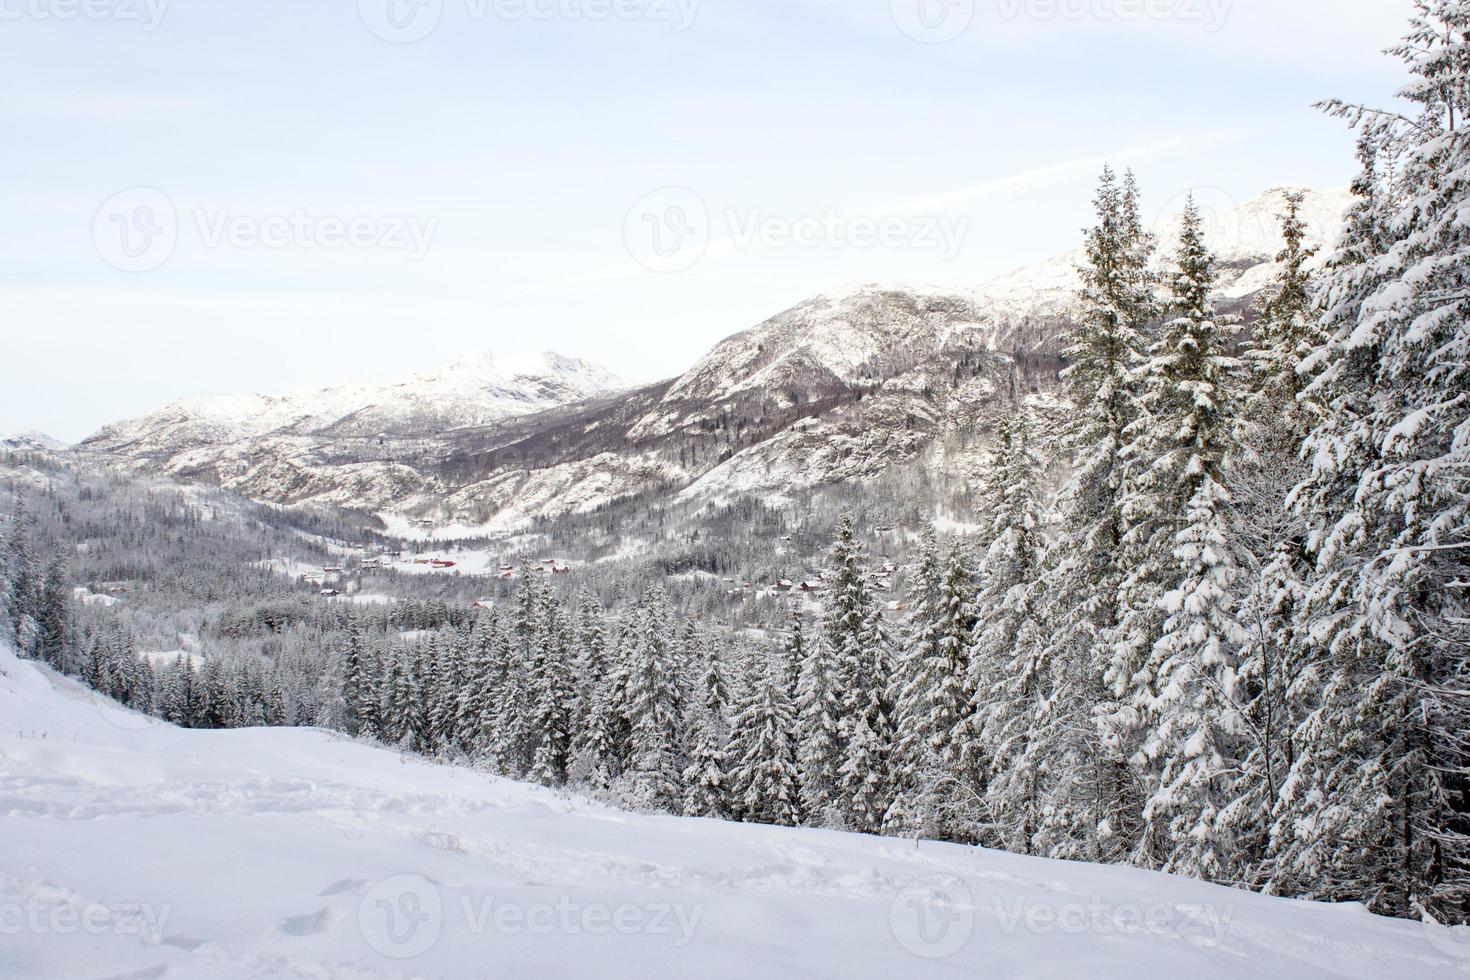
x: 129, y: 848
x: 839, y: 388
x: 474, y: 390
x: 30, y: 441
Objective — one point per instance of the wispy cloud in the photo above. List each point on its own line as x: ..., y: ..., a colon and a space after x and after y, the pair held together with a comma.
x: 1057, y: 173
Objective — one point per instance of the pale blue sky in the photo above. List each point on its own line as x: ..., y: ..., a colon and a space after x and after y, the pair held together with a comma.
x: 493, y: 164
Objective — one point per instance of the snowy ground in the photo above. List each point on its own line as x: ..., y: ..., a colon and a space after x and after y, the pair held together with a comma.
x: 131, y: 849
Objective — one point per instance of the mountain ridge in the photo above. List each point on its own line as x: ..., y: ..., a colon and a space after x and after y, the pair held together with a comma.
x: 837, y: 388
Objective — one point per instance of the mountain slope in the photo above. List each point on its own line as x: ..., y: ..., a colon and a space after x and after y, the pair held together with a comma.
x: 474, y: 390
x: 136, y: 849
x: 838, y: 388
x: 30, y: 441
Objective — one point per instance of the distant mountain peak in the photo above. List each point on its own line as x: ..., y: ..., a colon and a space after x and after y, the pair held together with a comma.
x: 475, y: 389
x: 30, y: 441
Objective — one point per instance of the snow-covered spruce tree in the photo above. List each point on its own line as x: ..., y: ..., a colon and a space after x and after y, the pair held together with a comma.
x: 442, y: 687
x: 866, y: 779
x: 656, y: 708
x: 22, y: 587
x: 1270, y: 538
x: 483, y: 669
x: 173, y: 690
x: 918, y: 650
x: 54, y: 615
x: 765, y: 784
x: 591, y: 651
x: 1008, y: 679
x: 1334, y: 825
x: 1187, y: 687
x: 1388, y: 502
x: 852, y: 628
x: 428, y: 656
x: 350, y: 661
x: 820, y: 716
x: 707, y: 781
x: 399, y: 708
x: 1094, y: 798
x: 793, y: 657
x: 370, y: 703
x: 794, y: 651
x: 603, y: 747
x: 553, y: 694
x: 513, y: 744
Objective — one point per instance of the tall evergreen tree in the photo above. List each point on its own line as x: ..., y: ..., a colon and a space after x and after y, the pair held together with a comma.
x: 1270, y: 537
x: 1376, y: 807
x: 655, y: 703
x: 765, y: 781
x: 1188, y: 687
x: 707, y: 780
x: 1096, y: 727
x: 1008, y: 672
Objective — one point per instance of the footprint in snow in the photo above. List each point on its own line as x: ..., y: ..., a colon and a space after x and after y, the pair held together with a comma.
x: 150, y: 973
x: 341, y: 888
x: 187, y: 943
x: 306, y: 925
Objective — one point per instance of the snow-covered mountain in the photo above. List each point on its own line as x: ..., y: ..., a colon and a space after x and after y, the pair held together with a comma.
x: 30, y: 441
x: 1245, y: 241
x: 137, y: 849
x: 841, y: 387
x: 474, y: 390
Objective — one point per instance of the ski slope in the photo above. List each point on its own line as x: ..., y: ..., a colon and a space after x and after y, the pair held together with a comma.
x: 132, y: 849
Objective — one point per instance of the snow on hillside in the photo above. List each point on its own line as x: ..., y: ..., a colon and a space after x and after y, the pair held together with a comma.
x: 30, y: 441
x: 129, y: 848
x: 474, y: 390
